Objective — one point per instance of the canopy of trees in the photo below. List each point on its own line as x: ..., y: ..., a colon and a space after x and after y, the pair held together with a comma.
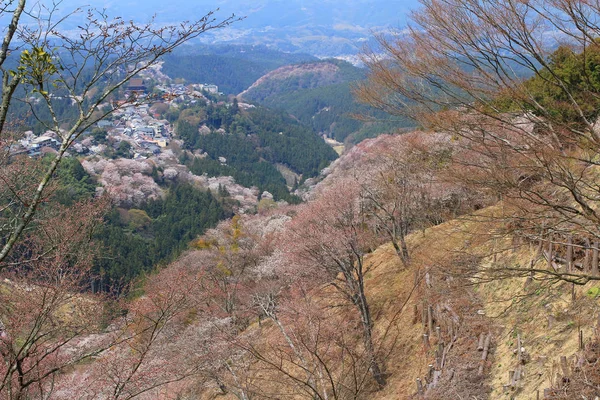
x: 326, y: 104
x: 232, y: 68
x: 169, y: 225
x: 252, y: 143
x: 521, y: 111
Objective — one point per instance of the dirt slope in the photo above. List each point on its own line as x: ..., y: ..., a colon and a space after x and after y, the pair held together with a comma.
x: 541, y: 316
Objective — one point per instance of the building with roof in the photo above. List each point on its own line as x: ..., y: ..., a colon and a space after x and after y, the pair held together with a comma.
x: 136, y: 85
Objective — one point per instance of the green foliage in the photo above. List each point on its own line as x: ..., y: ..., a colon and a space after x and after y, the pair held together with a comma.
x: 35, y: 68
x: 99, y: 135
x: 138, y: 220
x: 185, y: 213
x: 188, y: 133
x: 243, y: 164
x: 256, y: 140
x: 232, y: 68
x: 74, y: 183
x: 569, y: 74
x: 223, y: 192
x: 593, y: 292
x: 219, y: 116
x: 138, y: 239
x: 232, y: 75
x: 135, y: 240
x: 326, y: 104
x: 123, y: 150
x: 285, y: 141
x: 21, y: 115
x: 125, y: 255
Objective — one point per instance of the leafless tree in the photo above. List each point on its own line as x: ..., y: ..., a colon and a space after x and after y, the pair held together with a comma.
x: 403, y: 188
x: 512, y: 85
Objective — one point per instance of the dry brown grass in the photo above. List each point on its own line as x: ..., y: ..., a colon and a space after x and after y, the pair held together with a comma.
x: 510, y: 308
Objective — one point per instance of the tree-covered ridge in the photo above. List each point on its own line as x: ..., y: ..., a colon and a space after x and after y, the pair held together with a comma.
x: 564, y: 89
x: 231, y: 74
x: 135, y: 240
x: 243, y: 164
x: 232, y: 68
x: 322, y: 99
x: 333, y: 110
x: 74, y: 182
x: 302, y: 76
x: 283, y: 140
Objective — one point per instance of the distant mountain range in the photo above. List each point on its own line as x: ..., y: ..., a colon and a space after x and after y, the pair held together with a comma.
x: 317, y: 27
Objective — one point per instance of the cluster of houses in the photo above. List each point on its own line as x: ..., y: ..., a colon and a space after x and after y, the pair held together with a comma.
x: 212, y: 89
x: 146, y: 134
x: 179, y: 90
x: 136, y: 125
x: 36, y: 146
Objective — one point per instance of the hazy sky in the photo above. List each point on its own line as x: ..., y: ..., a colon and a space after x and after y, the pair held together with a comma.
x: 318, y: 27
x: 264, y: 12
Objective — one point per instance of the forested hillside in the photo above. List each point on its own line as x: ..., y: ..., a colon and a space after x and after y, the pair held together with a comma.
x: 247, y: 145
x: 135, y: 240
x: 317, y: 93
x: 320, y: 96
x: 156, y: 214
x: 192, y: 245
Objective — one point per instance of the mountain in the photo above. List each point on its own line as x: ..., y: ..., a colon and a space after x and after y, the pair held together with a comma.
x: 301, y: 76
x: 319, y: 94
x: 232, y: 68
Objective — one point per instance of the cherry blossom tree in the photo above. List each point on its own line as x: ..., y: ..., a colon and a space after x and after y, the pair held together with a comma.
x: 229, y: 252
x: 330, y: 238
x: 403, y: 189
x: 150, y: 348
x: 312, y: 348
x: 51, y: 328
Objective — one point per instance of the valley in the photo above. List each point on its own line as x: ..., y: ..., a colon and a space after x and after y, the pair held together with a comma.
x: 304, y: 200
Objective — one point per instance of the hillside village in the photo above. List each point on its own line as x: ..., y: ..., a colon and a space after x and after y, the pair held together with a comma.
x: 149, y: 140
x: 139, y: 126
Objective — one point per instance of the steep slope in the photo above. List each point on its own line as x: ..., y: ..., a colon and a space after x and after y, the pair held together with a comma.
x: 454, y: 322
x: 467, y: 272
x: 465, y: 311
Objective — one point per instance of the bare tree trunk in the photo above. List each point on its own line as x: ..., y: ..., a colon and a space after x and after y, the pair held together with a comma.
x: 595, y: 259
x: 486, y: 348
x: 401, y: 249
x: 367, y: 323
x: 405, y: 254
